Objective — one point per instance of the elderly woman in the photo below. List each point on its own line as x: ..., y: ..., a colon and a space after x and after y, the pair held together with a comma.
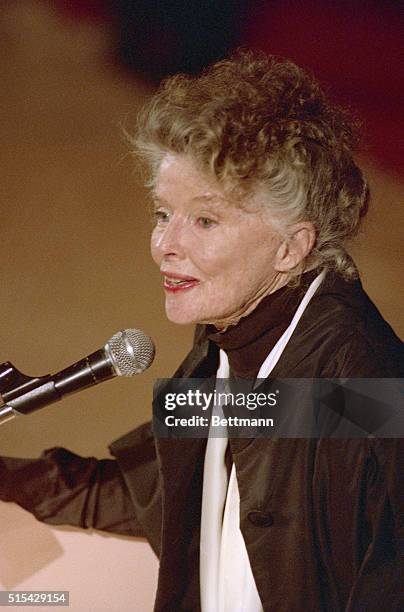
x: 255, y: 194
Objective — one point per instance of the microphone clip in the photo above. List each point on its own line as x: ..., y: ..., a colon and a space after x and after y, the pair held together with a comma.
x: 14, y: 384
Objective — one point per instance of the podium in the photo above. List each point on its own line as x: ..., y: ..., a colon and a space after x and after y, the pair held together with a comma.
x: 102, y: 572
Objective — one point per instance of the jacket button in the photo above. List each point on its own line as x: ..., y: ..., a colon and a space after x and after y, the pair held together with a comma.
x: 259, y: 518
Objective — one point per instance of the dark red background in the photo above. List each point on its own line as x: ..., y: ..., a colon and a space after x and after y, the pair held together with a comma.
x: 355, y: 48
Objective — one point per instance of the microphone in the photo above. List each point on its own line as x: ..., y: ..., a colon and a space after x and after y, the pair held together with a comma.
x: 127, y: 353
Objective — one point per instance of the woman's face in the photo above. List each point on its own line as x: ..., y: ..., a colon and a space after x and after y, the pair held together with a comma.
x: 216, y: 258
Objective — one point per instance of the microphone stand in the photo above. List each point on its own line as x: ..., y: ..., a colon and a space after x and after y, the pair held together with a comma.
x: 14, y: 383
x: 22, y: 394
x: 7, y: 413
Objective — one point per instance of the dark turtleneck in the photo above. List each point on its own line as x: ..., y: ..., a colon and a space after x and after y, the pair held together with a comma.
x: 248, y: 343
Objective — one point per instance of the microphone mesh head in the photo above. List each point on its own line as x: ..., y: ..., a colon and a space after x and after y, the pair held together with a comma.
x: 130, y: 351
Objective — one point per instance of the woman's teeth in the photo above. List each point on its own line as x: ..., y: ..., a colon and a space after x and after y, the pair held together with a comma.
x: 175, y: 281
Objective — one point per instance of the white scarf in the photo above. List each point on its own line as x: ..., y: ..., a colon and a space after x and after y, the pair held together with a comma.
x: 226, y: 578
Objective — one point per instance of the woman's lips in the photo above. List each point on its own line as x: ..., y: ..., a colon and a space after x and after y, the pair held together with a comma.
x: 174, y: 283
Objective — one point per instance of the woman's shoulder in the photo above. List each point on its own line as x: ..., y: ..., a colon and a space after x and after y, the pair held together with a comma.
x: 342, y: 334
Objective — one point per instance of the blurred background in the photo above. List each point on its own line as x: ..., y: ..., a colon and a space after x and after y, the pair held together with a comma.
x: 74, y: 214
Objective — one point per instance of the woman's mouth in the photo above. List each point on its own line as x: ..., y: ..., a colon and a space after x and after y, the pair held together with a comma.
x: 174, y: 283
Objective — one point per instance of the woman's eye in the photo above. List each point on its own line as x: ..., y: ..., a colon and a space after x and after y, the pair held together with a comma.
x: 160, y: 216
x: 205, y: 222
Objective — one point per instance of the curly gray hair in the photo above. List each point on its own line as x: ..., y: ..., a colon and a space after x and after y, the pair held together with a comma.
x: 262, y: 124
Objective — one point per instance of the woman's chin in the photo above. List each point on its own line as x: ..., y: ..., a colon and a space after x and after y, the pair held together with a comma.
x: 180, y: 316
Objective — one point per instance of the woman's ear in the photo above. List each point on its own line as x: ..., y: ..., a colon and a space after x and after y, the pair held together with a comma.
x: 294, y: 249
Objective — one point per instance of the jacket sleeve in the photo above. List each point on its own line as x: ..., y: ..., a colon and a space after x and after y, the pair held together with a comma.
x: 379, y: 584
x: 62, y: 488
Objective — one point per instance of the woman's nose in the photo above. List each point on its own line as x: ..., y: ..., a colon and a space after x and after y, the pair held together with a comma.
x: 171, y: 240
